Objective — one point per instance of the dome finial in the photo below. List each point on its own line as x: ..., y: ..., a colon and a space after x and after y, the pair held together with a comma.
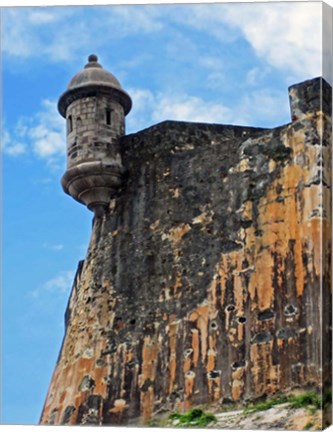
x: 92, y: 58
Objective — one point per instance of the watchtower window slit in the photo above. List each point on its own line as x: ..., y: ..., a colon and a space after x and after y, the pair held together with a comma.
x: 108, y: 116
x: 69, y: 124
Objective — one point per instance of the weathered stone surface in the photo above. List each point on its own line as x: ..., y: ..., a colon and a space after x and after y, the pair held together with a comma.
x: 207, y: 277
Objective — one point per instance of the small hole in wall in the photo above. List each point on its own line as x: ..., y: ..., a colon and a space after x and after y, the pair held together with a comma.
x: 261, y: 338
x: 279, y: 188
x: 133, y: 321
x: 266, y: 314
x: 213, y: 374
x: 230, y: 308
x: 241, y: 320
x: 188, y: 352
x: 245, y: 264
x: 238, y: 364
x: 213, y: 325
x: 286, y: 333
x: 290, y: 310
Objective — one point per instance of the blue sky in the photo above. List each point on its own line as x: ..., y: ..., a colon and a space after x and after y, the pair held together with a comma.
x: 224, y: 63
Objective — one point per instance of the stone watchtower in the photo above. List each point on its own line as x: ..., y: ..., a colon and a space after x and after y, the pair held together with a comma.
x: 94, y: 106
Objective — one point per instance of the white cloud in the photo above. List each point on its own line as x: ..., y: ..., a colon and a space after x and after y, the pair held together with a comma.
x: 151, y: 108
x: 27, y: 31
x: 63, y: 34
x: 190, y: 108
x: 11, y: 147
x: 53, y: 33
x: 59, y: 284
x: 216, y: 71
x: 126, y: 20
x: 286, y: 35
x: 43, y: 134
x: 143, y: 104
x: 212, y: 62
x: 255, y: 75
x: 45, y: 16
x: 207, y: 19
x: 263, y: 107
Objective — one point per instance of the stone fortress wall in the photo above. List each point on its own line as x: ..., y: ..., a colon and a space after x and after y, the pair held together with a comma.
x: 207, y: 278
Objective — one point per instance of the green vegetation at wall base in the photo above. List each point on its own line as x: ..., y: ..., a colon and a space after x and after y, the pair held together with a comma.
x: 193, y: 418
